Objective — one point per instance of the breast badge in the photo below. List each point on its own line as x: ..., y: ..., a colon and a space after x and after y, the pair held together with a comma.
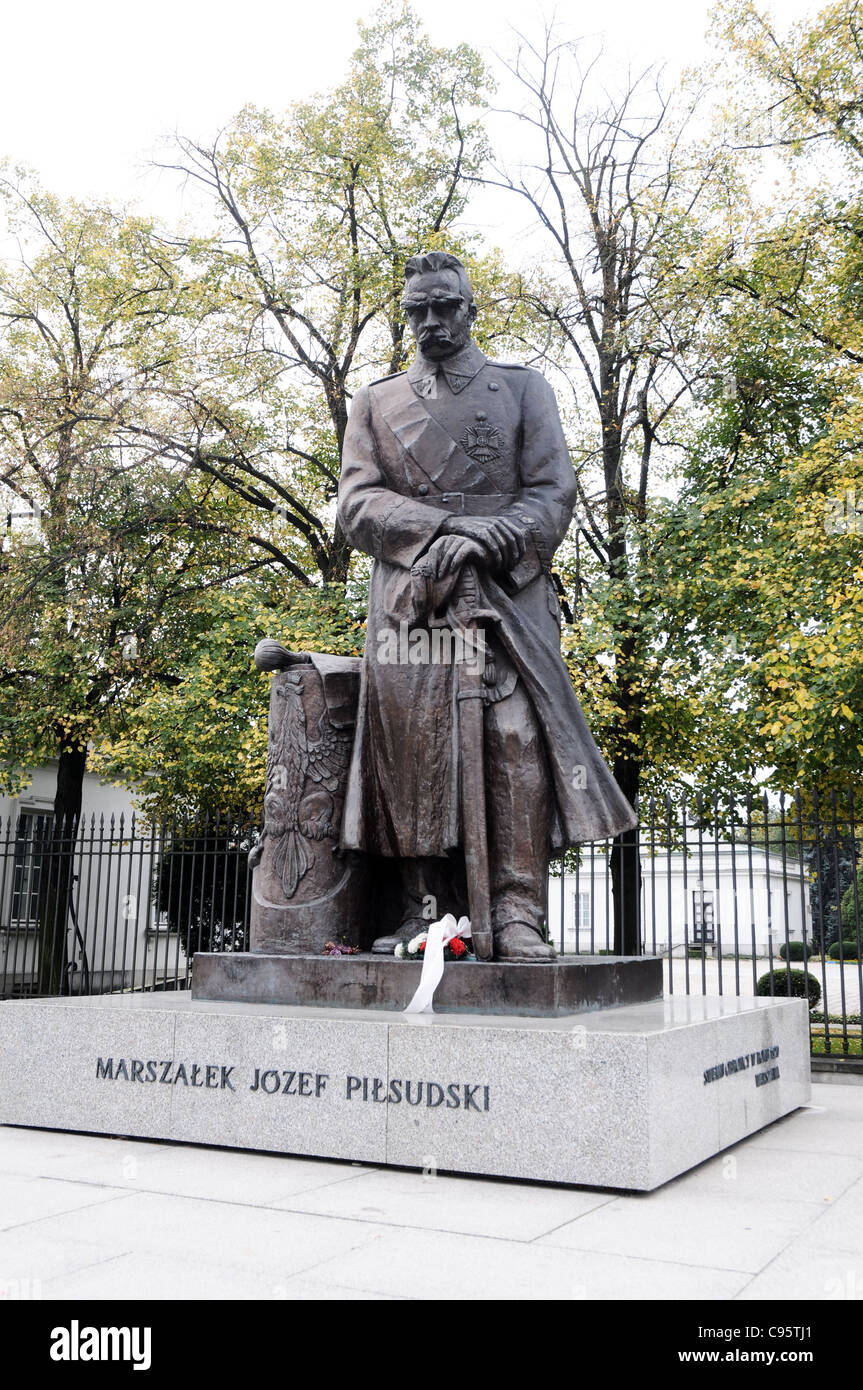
x: 482, y: 440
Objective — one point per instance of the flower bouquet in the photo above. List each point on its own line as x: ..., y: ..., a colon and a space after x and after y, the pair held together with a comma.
x: 456, y: 949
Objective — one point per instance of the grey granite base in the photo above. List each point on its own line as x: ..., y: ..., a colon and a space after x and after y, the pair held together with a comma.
x: 622, y: 1098
x: 546, y: 989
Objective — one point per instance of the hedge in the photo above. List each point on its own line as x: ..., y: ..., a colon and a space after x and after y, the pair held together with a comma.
x: 801, y: 985
x: 793, y: 950
x: 849, y: 951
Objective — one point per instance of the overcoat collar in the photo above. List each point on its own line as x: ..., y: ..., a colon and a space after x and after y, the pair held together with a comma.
x: 459, y: 370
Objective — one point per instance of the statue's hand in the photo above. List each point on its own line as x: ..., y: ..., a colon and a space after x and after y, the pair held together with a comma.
x: 502, y: 539
x: 448, y: 553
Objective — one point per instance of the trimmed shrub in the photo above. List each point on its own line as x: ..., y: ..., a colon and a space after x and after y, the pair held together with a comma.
x: 793, y: 950
x: 848, y: 951
x: 799, y: 983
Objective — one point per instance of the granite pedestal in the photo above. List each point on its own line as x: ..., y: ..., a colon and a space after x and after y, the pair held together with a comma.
x: 623, y: 1098
x: 546, y: 989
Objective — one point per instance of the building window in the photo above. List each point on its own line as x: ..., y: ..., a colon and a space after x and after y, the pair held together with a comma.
x: 702, y: 917
x: 581, y: 911
x: 30, y: 834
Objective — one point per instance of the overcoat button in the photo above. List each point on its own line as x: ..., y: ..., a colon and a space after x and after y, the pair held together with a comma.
x: 423, y: 489
x: 493, y: 386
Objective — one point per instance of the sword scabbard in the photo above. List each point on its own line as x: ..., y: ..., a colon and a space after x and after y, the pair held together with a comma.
x: 473, y: 805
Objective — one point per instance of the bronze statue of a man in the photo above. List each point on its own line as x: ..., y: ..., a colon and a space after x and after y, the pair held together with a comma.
x: 472, y: 762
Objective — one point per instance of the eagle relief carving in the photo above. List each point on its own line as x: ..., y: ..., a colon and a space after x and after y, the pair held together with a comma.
x: 302, y: 776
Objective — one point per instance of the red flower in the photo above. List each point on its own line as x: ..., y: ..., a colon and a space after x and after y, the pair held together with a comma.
x: 422, y: 945
x: 457, y: 946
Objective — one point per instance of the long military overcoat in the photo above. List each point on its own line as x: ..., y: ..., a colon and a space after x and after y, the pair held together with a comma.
x: 485, y: 438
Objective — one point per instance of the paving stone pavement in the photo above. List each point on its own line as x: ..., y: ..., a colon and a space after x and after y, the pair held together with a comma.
x: 840, y: 984
x: 778, y: 1216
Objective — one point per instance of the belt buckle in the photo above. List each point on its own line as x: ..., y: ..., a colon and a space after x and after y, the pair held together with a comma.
x: 448, y: 497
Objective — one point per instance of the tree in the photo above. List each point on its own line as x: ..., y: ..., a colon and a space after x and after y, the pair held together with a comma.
x: 617, y: 193
x: 115, y: 547
x: 80, y: 325
x: 774, y: 475
x: 301, y: 284
x: 198, y: 746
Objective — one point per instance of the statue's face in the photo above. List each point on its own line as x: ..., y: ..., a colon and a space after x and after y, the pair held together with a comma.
x: 439, y: 315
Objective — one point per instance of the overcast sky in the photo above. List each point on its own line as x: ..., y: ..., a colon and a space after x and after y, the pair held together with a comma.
x: 90, y: 87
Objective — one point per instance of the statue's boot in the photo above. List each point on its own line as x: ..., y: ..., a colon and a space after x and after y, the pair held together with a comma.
x: 426, y: 885
x: 386, y: 945
x: 516, y: 941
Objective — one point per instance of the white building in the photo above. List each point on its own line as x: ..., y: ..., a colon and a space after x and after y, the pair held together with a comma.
x: 729, y: 898
x: 114, y: 936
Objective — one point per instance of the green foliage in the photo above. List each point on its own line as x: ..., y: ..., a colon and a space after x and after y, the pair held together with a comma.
x: 845, y: 950
x: 852, y: 906
x: 798, y: 983
x: 811, y: 74
x: 299, y: 266
x: 793, y: 950
x: 114, y: 543
x: 836, y: 1047
x: 769, y: 567
x: 199, y: 744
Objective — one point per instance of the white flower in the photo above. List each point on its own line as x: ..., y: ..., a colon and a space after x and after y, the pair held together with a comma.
x: 400, y: 950
x: 413, y: 946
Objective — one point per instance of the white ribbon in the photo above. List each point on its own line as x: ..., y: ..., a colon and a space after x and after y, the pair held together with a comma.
x: 439, y: 934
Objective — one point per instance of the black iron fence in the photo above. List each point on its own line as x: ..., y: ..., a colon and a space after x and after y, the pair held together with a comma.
x: 120, y: 904
x: 764, y: 897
